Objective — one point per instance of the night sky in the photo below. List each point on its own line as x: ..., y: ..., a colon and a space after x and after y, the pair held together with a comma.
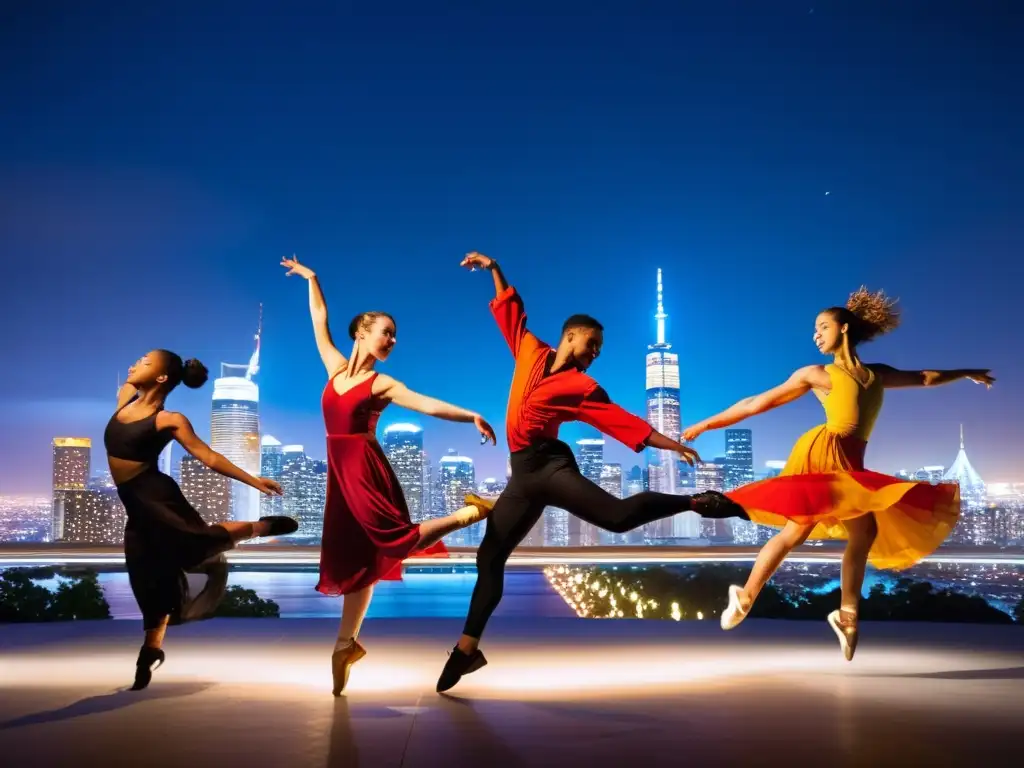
x: 156, y: 162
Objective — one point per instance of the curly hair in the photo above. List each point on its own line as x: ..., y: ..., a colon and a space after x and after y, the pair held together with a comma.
x: 868, y: 315
x: 365, y: 321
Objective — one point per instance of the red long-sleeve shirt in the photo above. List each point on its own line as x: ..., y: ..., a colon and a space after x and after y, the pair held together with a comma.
x: 538, y: 405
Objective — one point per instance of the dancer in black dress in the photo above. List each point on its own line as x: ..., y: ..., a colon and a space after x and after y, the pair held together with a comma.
x: 165, y: 537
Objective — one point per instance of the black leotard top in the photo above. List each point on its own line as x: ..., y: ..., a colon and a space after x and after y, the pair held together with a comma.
x: 135, y: 440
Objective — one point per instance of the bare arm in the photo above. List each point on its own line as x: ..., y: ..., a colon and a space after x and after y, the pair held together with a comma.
x: 500, y: 283
x: 893, y: 378
x: 333, y: 360
x: 182, y: 430
x: 396, y: 392
x: 506, y: 306
x: 797, y: 385
x: 658, y: 440
x: 125, y: 395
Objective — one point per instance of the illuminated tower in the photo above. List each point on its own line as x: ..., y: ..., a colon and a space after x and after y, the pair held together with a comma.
x: 403, y: 445
x: 590, y: 458
x: 235, y: 427
x: 71, y: 457
x: 663, y: 413
x: 972, y: 487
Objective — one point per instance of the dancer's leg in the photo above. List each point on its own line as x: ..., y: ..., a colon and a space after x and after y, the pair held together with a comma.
x: 347, y: 650
x: 240, y: 530
x: 511, y: 519
x: 353, y: 610
x: 770, y: 558
x: 862, y: 532
x: 432, y: 531
x: 568, y: 489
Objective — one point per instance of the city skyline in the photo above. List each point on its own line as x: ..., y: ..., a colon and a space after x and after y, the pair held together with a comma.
x: 598, y: 152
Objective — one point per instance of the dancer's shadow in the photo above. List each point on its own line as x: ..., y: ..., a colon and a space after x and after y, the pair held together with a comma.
x: 1004, y: 673
x: 477, y: 742
x: 108, y: 702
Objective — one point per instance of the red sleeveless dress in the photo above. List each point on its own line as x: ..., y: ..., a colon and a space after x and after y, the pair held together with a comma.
x: 367, y: 530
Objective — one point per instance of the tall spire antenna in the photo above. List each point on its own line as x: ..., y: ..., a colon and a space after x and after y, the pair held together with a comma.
x: 961, y: 437
x: 660, y: 315
x: 254, y: 361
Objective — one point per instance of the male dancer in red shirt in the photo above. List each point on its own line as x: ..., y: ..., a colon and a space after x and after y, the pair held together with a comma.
x: 549, y: 387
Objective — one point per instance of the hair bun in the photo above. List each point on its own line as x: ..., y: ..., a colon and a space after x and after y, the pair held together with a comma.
x: 194, y: 374
x: 878, y: 313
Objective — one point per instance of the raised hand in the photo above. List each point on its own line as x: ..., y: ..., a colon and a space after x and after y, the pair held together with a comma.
x: 486, y: 432
x: 982, y: 377
x: 475, y: 261
x: 692, y: 433
x: 294, y: 268
x: 689, y: 455
x: 269, y: 487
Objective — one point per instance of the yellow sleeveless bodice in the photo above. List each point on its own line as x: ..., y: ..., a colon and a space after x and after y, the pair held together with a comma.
x: 851, y: 408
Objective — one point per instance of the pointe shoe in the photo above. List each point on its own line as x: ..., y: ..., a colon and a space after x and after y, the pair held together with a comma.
x: 483, y: 509
x: 148, y: 656
x: 734, y: 613
x: 280, y: 525
x: 847, y: 633
x: 341, y: 664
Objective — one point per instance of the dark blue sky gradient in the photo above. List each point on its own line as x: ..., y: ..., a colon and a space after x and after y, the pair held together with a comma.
x: 156, y: 163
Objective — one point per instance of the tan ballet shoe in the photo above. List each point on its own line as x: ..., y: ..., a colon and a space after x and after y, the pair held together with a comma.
x: 479, y: 509
x: 341, y: 664
x: 847, y: 632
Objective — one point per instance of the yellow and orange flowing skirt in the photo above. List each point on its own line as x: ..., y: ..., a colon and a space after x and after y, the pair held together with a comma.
x: 824, y: 483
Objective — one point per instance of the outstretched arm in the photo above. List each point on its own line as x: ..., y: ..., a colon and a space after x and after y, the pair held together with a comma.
x: 396, y: 392
x: 182, y: 431
x: 797, y: 385
x: 892, y: 378
x: 333, y: 360
x: 506, y: 306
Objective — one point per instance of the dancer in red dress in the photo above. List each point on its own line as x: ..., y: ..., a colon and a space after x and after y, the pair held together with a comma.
x: 549, y: 388
x: 824, y: 491
x: 367, y: 529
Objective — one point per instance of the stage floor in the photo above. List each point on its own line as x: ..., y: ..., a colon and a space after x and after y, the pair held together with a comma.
x: 557, y: 692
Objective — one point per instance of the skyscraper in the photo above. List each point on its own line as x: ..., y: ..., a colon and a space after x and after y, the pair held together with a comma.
x: 208, y: 491
x: 71, y: 460
x: 611, y: 481
x: 92, y: 516
x: 972, y: 487
x: 664, y: 414
x: 403, y: 445
x: 590, y: 457
x: 235, y: 428
x: 739, y: 458
x: 457, y: 477
x: 271, y: 464
x: 304, y: 491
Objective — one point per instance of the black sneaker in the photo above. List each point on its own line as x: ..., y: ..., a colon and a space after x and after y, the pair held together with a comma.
x: 716, y: 506
x: 280, y: 525
x: 459, y: 664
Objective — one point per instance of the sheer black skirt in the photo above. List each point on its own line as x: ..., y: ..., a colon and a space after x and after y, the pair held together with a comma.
x: 166, y: 538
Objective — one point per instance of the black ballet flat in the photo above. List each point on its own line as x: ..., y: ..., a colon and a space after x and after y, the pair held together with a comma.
x: 280, y: 525
x: 458, y: 665
x: 715, y: 505
x: 144, y: 668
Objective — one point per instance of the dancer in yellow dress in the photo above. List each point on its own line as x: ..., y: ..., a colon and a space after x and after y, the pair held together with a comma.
x: 824, y: 490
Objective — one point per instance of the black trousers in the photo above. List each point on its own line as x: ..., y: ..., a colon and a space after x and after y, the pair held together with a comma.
x: 544, y: 475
